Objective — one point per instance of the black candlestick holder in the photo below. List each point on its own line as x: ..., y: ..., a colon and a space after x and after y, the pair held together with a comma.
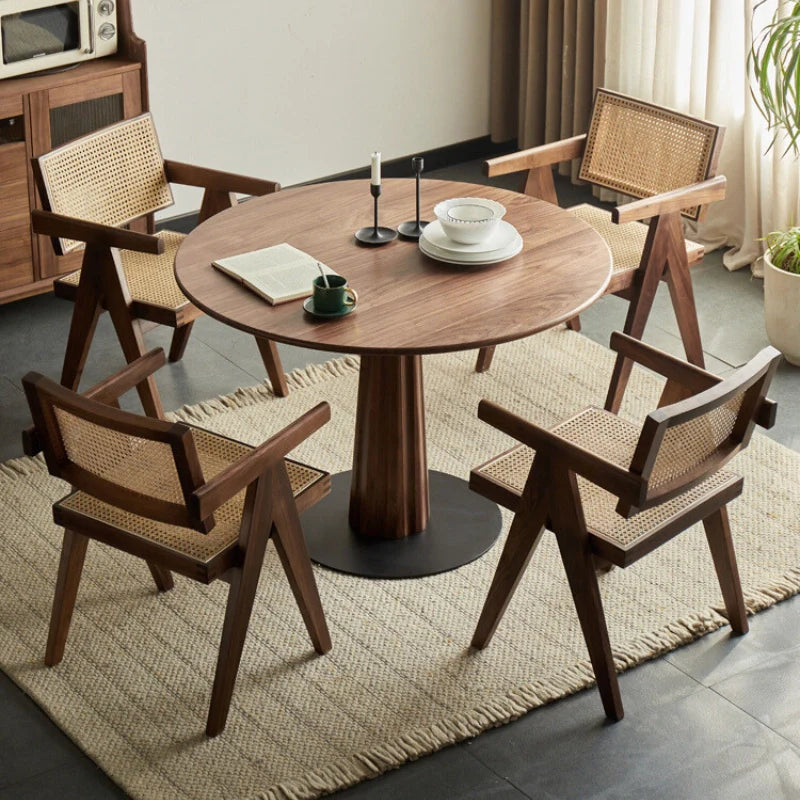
x: 376, y: 235
x: 413, y: 229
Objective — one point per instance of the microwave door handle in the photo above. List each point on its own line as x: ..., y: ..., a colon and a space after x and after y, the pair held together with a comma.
x: 90, y: 8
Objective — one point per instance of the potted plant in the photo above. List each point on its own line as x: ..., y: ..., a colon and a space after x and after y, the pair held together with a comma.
x: 782, y: 291
x: 775, y: 64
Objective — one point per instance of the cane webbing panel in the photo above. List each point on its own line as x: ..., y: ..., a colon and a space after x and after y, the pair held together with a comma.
x: 215, y: 453
x: 603, y: 433
x: 689, y: 444
x: 642, y: 150
x: 601, y: 517
x: 150, y: 278
x: 615, y: 440
x: 111, y: 176
x: 137, y: 464
x: 626, y: 241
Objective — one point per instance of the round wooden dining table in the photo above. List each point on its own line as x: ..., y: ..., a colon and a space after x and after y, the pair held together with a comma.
x: 390, y: 516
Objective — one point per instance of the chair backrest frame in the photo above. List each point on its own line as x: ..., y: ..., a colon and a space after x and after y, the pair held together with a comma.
x: 750, y: 383
x: 46, y: 398
x: 111, y: 176
x: 686, y: 148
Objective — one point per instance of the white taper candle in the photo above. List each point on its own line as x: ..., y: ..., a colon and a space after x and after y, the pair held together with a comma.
x: 376, y: 169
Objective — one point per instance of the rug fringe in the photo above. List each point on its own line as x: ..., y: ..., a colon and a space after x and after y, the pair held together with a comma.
x: 23, y: 466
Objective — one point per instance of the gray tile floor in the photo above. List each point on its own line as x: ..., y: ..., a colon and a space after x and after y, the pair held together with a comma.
x: 716, y: 719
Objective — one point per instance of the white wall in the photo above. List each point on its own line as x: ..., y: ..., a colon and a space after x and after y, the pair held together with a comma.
x: 294, y: 90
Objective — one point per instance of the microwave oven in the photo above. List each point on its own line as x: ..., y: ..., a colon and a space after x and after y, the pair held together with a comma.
x: 50, y: 34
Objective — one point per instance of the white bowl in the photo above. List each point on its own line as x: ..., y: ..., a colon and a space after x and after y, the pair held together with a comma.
x: 469, y: 220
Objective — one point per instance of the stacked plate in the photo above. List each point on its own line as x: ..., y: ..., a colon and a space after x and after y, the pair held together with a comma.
x: 503, y: 243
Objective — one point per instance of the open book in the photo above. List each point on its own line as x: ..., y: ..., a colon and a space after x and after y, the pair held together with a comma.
x: 279, y: 274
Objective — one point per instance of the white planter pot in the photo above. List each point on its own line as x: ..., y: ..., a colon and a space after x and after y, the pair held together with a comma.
x: 782, y: 310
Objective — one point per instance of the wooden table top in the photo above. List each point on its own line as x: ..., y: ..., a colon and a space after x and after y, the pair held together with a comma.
x: 408, y: 303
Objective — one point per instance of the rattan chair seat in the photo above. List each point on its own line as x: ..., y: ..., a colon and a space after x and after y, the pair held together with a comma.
x: 150, y: 278
x: 626, y: 241
x: 215, y: 453
x: 615, y: 440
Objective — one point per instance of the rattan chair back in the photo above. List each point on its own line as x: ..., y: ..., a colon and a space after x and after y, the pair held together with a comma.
x: 141, y: 465
x: 112, y: 176
x: 641, y: 150
x: 684, y: 443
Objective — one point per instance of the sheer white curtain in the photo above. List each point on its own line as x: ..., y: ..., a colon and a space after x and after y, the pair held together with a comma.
x: 691, y: 55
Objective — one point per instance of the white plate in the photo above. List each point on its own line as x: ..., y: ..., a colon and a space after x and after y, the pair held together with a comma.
x: 476, y: 259
x: 500, y: 239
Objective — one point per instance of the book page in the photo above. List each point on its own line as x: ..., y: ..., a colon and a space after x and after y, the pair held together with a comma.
x: 277, y: 273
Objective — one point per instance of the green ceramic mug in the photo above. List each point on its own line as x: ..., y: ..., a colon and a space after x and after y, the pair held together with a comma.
x: 334, y: 297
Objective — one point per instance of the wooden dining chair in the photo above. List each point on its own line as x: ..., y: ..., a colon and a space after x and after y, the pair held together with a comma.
x: 184, y: 499
x: 612, y: 491
x: 92, y: 189
x: 668, y: 162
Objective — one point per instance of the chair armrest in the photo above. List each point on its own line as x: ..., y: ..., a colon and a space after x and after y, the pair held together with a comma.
x: 219, y: 489
x: 60, y: 226
x: 698, y: 194
x: 620, y: 482
x: 687, y: 376
x: 107, y: 391
x: 542, y: 156
x: 110, y: 389
x: 192, y: 175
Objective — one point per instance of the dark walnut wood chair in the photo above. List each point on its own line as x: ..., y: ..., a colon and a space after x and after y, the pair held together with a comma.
x: 667, y: 161
x: 182, y: 498
x: 92, y: 189
x: 612, y: 491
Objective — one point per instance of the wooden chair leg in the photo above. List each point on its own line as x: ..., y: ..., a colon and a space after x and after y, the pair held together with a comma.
x: 574, y: 324
x: 180, y: 337
x: 256, y: 522
x: 118, y: 302
x: 718, y: 533
x: 291, y: 546
x: 654, y: 260
x: 81, y: 331
x: 161, y: 576
x: 485, y: 356
x: 272, y: 363
x: 679, y: 282
x: 573, y: 543
x: 73, y: 553
x: 523, y: 538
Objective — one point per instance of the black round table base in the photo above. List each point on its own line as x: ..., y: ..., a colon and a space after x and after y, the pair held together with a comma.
x: 412, y: 229
x: 462, y: 527
x: 375, y: 236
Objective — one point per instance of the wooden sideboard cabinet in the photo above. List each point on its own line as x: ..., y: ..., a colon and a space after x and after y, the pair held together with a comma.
x: 39, y: 112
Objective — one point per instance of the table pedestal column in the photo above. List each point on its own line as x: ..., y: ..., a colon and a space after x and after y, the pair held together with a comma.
x: 389, y: 493
x: 389, y: 517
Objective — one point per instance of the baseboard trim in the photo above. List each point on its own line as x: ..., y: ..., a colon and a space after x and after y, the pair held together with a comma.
x: 436, y: 158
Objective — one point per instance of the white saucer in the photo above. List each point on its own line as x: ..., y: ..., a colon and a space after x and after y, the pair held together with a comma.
x: 474, y: 259
x: 500, y: 239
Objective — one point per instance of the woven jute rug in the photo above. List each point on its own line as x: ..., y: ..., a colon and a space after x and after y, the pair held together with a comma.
x: 400, y: 682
